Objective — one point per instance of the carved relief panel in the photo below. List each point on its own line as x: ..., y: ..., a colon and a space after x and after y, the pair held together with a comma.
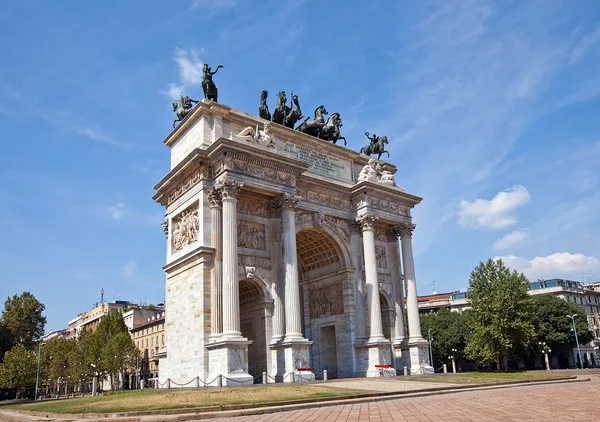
x: 380, y: 255
x: 328, y: 300
x: 251, y: 235
x: 185, y: 228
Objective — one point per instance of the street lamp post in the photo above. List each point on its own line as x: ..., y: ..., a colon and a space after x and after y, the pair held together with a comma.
x: 453, y: 357
x: 576, y: 339
x: 545, y: 351
x: 37, y: 377
x: 430, y: 352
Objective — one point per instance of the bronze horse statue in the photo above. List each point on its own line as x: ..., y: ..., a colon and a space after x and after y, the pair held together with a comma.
x: 263, y: 108
x: 331, y: 131
x: 377, y: 145
x: 281, y: 109
x: 182, y: 107
x: 295, y: 113
x: 313, y: 127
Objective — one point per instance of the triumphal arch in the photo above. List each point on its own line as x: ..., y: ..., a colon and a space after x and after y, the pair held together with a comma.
x: 286, y: 254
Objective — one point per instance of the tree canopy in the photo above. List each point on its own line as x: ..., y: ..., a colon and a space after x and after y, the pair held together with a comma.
x: 22, y: 316
x: 553, y: 327
x: 19, y: 368
x: 449, y: 330
x: 501, y: 312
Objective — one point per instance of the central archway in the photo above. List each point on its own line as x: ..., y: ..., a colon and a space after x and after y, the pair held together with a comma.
x: 327, y: 293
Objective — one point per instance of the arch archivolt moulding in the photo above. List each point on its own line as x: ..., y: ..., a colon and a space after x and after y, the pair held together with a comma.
x: 325, y: 223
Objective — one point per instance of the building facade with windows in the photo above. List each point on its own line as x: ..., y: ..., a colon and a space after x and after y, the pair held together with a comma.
x: 149, y: 338
x: 585, y: 295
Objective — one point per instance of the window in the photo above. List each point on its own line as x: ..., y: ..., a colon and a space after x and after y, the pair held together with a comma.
x: 163, y: 339
x: 146, y: 342
x: 157, y: 340
x: 152, y: 342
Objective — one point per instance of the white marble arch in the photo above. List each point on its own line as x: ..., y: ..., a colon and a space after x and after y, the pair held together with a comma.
x: 256, y: 313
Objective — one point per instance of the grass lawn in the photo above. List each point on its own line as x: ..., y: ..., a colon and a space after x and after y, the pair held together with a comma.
x: 489, y: 377
x: 128, y: 401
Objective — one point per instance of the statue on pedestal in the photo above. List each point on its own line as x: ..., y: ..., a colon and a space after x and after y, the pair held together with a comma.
x: 208, y: 86
x: 377, y: 145
x: 182, y: 107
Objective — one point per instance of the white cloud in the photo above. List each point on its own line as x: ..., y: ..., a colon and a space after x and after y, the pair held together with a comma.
x: 116, y: 211
x: 129, y: 270
x: 189, y: 66
x: 511, y: 239
x: 560, y: 264
x: 584, y: 44
x: 174, y: 91
x: 495, y: 213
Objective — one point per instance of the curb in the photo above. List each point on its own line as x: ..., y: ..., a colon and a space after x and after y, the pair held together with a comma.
x: 210, y: 412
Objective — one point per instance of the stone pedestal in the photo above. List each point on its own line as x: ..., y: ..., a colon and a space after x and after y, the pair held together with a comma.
x: 229, y: 358
x: 419, y: 358
x: 378, y: 353
x: 296, y: 354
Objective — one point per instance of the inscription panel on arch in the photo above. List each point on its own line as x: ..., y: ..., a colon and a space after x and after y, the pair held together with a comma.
x: 321, y: 163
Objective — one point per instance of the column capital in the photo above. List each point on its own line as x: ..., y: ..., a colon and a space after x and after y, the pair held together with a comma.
x: 286, y: 201
x: 403, y: 229
x: 215, y: 197
x: 367, y: 221
x: 230, y: 189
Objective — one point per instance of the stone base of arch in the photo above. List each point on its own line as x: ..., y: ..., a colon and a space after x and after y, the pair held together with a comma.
x: 419, y: 357
x: 229, y: 358
x: 372, y: 357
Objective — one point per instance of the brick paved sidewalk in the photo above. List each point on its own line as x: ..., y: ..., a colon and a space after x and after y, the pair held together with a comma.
x: 551, y: 402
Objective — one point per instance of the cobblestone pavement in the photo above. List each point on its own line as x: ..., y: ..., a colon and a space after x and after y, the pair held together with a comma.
x: 385, y: 385
x: 551, y: 402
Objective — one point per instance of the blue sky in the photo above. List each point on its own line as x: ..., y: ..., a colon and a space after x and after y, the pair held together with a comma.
x: 491, y: 109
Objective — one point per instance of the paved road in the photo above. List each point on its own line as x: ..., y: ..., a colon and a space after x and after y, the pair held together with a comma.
x: 557, y: 402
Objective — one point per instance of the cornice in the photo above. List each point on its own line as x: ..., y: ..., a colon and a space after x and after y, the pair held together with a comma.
x: 203, y: 254
x: 377, y: 190
x: 227, y: 149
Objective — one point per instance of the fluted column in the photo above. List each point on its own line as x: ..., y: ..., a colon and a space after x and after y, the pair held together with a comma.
x: 293, y: 318
x: 367, y: 223
x: 230, y: 190
x: 396, y: 269
x: 278, y: 284
x: 412, y: 304
x: 359, y: 297
x: 216, y: 288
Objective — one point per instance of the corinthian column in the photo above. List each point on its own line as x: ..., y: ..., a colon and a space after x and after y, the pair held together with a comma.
x: 230, y: 190
x: 367, y: 222
x: 216, y: 287
x: 396, y: 268
x: 412, y: 304
x: 293, y: 319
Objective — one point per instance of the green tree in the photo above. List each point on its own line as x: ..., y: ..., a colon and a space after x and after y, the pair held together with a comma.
x: 110, y: 349
x: 553, y: 327
x: 449, y: 330
x: 500, y: 315
x: 19, y: 369
x: 6, y: 341
x: 22, y: 316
